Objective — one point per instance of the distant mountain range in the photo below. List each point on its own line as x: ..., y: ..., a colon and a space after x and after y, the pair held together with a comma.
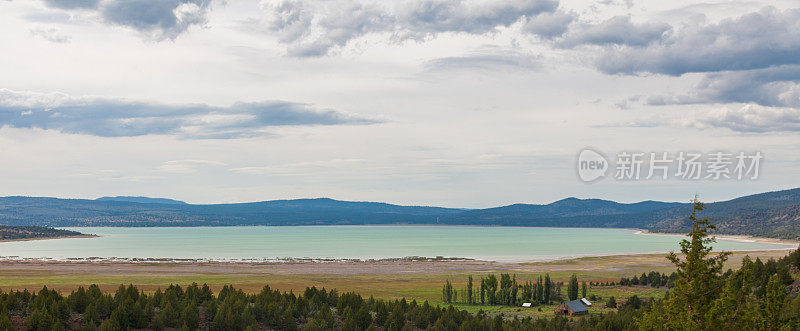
x: 772, y: 214
x: 142, y: 200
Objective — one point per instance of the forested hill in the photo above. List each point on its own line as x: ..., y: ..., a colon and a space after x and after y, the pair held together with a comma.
x: 79, y: 212
x: 772, y: 214
x: 34, y: 232
x: 570, y: 212
x: 142, y: 200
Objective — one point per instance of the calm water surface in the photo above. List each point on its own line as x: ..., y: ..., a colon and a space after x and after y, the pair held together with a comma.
x: 354, y: 242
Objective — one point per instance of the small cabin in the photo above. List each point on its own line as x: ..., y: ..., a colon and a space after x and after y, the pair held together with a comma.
x: 586, y: 302
x: 526, y: 304
x: 571, y: 308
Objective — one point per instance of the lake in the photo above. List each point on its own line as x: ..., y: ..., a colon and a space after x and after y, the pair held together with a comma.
x: 354, y: 242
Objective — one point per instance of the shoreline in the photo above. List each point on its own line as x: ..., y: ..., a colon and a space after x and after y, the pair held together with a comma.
x: 48, y: 238
x: 418, y: 260
x: 320, y: 266
x: 730, y: 237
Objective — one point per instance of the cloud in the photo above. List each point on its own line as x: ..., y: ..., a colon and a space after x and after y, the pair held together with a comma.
x: 774, y: 87
x: 50, y: 34
x: 762, y: 39
x: 752, y: 119
x: 315, y: 28
x: 490, y: 59
x: 300, y: 168
x: 550, y: 24
x: 123, y: 118
x: 157, y: 19
x: 72, y: 4
x: 618, y: 30
x: 748, y: 118
x: 186, y: 166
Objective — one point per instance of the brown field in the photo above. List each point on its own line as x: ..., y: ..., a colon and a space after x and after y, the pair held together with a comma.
x: 412, y: 280
x: 400, y: 279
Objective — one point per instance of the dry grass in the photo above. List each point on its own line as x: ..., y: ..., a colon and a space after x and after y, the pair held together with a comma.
x: 418, y: 281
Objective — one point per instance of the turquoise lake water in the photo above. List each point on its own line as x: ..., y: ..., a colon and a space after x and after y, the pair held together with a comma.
x: 354, y: 242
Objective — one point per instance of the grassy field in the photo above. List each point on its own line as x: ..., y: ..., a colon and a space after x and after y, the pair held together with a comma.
x: 413, y: 281
x: 403, y: 281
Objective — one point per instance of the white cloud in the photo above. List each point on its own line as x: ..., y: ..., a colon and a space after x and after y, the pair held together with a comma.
x: 751, y: 119
x: 618, y: 30
x: 314, y: 28
x: 777, y: 86
x: 766, y: 38
x: 50, y: 34
x: 186, y: 166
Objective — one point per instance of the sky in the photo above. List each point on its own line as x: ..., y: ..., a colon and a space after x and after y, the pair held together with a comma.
x: 457, y: 103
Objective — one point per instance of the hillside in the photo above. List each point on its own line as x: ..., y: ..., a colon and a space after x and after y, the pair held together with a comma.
x: 771, y: 214
x: 142, y: 200
x: 79, y: 212
x: 34, y: 232
x: 570, y: 212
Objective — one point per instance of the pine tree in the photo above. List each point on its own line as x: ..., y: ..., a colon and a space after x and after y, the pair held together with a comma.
x: 698, y: 285
x: 774, y: 299
x: 611, y: 303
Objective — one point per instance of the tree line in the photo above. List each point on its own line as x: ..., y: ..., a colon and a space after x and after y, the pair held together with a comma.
x: 505, y: 291
x: 8, y: 232
x: 197, y: 308
x: 653, y: 278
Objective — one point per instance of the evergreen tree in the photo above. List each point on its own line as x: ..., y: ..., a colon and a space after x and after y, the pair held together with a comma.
x: 774, y: 301
x: 698, y: 284
x: 611, y: 303
x: 5, y: 322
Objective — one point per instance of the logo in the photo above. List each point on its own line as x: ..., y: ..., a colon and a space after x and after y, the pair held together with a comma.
x: 681, y: 165
x: 591, y: 165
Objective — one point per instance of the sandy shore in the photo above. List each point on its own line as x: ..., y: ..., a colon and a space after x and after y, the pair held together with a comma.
x: 742, y: 238
x: 351, y: 267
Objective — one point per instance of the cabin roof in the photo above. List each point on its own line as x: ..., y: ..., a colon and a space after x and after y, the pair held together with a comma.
x: 586, y: 302
x: 576, y: 306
